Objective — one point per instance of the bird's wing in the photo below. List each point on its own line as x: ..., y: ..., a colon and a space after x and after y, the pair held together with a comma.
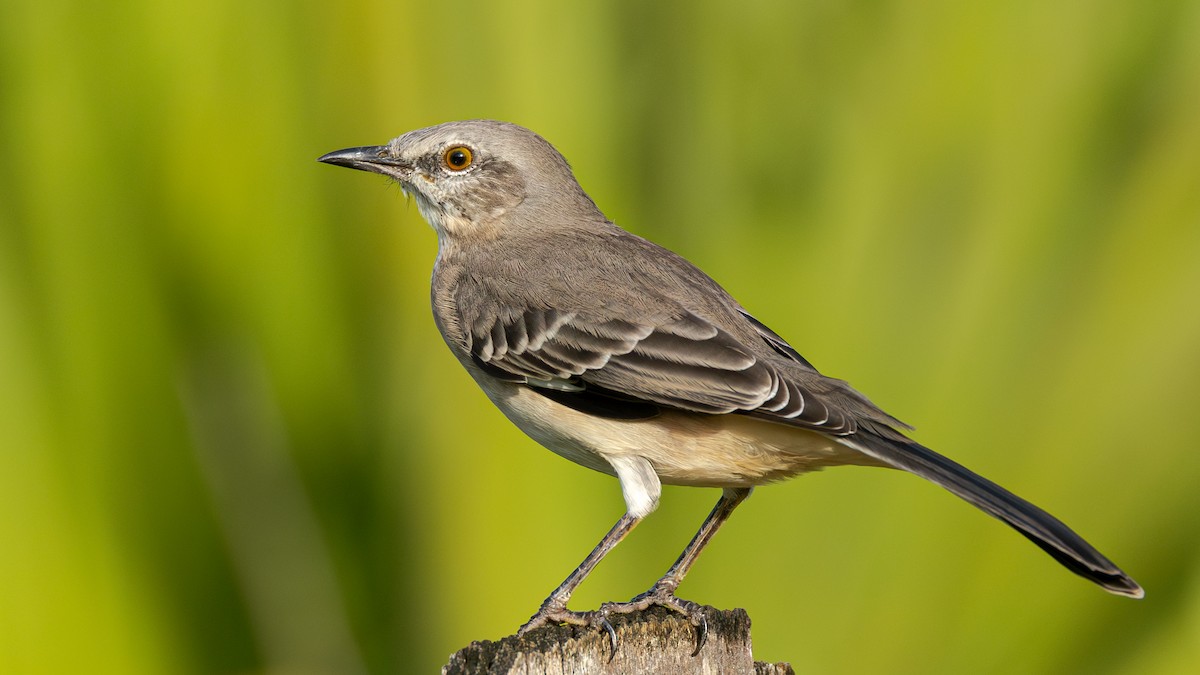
x: 681, y: 361
x: 776, y: 343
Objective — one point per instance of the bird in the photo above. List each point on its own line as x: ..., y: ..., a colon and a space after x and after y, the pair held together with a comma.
x: 622, y: 356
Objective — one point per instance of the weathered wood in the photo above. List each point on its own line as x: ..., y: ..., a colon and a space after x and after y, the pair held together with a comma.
x: 654, y: 641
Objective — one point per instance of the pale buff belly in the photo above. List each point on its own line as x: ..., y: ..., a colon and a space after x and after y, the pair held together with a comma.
x: 684, y: 448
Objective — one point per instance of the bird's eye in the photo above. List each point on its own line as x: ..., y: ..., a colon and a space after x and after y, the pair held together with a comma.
x: 457, y: 158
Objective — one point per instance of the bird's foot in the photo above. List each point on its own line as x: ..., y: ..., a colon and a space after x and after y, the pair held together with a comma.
x: 663, y: 595
x: 554, y: 613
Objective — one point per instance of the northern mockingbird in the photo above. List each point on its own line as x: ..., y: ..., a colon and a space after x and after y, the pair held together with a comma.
x: 625, y: 358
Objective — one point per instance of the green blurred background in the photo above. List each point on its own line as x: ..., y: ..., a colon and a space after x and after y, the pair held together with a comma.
x: 232, y: 441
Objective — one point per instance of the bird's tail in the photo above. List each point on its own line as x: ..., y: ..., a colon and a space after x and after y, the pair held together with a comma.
x: 1040, y: 527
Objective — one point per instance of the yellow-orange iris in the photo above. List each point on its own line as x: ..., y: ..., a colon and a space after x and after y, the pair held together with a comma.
x: 457, y: 158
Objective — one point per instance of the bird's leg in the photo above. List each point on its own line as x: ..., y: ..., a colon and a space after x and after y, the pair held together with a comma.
x: 554, y: 609
x: 670, y: 581
x: 663, y: 591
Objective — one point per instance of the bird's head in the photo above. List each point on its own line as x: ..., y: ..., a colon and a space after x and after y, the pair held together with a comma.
x: 476, y: 178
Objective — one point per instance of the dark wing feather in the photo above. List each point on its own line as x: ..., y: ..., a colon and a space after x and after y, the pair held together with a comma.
x: 777, y: 343
x: 683, y: 362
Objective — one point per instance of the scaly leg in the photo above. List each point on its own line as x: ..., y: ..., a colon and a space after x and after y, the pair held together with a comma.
x: 554, y: 609
x: 663, y: 591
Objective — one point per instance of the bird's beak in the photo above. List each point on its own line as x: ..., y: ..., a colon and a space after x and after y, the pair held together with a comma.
x: 373, y: 158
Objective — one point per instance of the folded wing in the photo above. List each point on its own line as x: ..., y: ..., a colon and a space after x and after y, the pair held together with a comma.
x: 681, y: 362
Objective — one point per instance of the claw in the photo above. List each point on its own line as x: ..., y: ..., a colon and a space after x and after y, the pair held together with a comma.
x: 701, y: 634
x: 662, y: 596
x: 553, y: 615
x: 612, y: 635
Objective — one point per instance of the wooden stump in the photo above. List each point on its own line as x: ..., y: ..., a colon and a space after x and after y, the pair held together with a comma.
x: 654, y: 641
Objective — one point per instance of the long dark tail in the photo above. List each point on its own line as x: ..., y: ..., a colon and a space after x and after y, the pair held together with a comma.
x: 1040, y: 527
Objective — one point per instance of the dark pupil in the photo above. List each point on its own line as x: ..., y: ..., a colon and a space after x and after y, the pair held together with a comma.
x: 458, y: 158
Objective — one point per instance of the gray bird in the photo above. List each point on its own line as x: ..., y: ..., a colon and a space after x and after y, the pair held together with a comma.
x: 625, y: 358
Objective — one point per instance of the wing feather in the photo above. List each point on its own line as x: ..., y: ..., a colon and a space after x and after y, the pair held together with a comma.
x: 682, y: 361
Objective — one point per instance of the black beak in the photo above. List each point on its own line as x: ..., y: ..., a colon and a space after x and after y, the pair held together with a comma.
x: 373, y: 158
